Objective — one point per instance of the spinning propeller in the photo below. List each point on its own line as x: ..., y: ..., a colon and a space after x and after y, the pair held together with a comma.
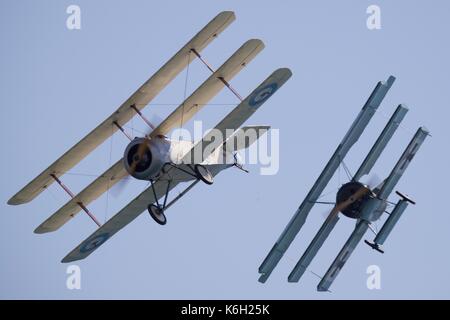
x: 138, y: 158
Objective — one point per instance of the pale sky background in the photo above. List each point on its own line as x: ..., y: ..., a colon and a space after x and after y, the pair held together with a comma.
x: 57, y: 85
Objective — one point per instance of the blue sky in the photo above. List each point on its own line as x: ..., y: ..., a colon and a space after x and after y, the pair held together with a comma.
x: 57, y: 85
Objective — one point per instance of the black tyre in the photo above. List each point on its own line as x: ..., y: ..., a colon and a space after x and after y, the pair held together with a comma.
x: 157, y: 214
x: 203, y: 174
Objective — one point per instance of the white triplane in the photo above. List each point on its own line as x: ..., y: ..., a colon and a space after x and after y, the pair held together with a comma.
x: 154, y: 157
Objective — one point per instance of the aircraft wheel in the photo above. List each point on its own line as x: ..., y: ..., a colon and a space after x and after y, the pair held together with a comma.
x: 203, y: 174
x: 157, y: 214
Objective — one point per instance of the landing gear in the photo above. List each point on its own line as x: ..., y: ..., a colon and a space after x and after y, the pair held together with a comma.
x: 203, y: 174
x: 157, y: 213
x: 156, y: 210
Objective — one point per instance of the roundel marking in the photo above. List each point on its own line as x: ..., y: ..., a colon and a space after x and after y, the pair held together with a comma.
x: 94, y: 242
x: 263, y: 94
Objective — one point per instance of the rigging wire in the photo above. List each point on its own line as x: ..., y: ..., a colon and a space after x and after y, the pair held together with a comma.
x: 185, y: 89
x: 405, y: 129
x: 81, y: 174
x: 179, y: 103
x: 109, y: 180
x: 184, y: 95
x: 347, y: 171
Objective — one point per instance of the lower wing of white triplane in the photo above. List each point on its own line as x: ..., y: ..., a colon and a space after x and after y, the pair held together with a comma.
x: 130, y: 212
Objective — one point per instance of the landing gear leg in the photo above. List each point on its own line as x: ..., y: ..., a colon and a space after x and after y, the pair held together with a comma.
x: 156, y: 210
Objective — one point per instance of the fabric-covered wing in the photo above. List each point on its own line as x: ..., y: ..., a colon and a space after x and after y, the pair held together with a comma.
x: 411, y: 150
x: 185, y: 111
x: 94, y: 190
x: 120, y: 220
x: 129, y: 213
x: 343, y: 255
x: 210, y: 87
x: 238, y: 116
x: 124, y: 113
x: 245, y: 137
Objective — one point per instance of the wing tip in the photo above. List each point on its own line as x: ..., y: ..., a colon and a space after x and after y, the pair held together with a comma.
x: 390, y: 81
x: 41, y: 230
x: 14, y: 201
x: 227, y: 14
x: 285, y: 70
x: 68, y: 259
x: 257, y: 43
x: 46, y: 226
x: 71, y: 257
x: 403, y: 106
x: 425, y: 130
x: 263, y: 277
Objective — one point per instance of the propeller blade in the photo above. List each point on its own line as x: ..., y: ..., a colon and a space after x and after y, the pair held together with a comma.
x: 143, y: 147
x: 361, y: 192
x: 117, y: 189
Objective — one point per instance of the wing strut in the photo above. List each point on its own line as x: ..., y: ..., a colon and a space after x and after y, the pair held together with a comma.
x: 80, y: 204
x: 225, y: 82
x: 133, y: 106
x: 122, y: 130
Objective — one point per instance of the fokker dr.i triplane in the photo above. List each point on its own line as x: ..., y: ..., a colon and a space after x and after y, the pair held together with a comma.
x: 354, y: 199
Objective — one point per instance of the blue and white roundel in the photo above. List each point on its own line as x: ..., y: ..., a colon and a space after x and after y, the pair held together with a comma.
x: 93, y: 243
x: 262, y: 94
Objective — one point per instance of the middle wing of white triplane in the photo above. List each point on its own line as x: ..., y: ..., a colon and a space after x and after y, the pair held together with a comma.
x: 232, y: 121
x: 299, y: 218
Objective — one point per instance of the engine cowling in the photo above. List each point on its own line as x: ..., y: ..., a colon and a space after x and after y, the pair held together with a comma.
x: 144, y: 158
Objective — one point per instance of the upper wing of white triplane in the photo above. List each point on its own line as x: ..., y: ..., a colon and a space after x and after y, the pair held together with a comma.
x: 122, y: 115
x: 184, y: 112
